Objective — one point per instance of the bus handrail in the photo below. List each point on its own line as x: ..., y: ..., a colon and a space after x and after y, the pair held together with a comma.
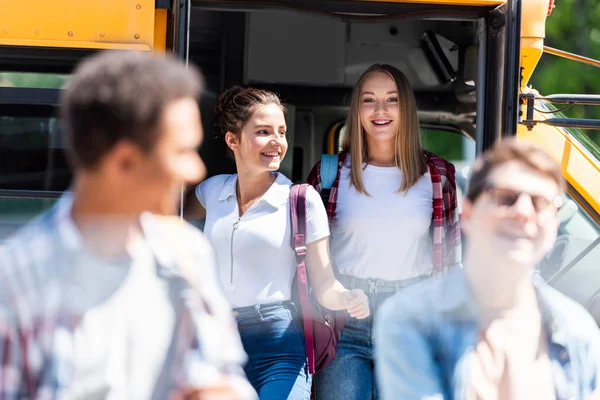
x: 571, y: 56
x: 529, y: 100
x: 579, y: 123
x: 583, y: 99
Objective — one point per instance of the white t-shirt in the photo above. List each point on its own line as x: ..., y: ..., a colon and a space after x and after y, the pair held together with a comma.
x: 127, y: 343
x: 123, y: 338
x: 384, y: 235
x: 255, y: 258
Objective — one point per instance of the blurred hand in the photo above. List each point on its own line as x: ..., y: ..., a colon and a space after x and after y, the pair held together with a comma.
x: 223, y: 390
x: 594, y: 396
x: 357, y: 303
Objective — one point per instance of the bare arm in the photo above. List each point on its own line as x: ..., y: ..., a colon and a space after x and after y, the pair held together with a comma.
x: 226, y: 389
x: 595, y: 395
x: 328, y: 290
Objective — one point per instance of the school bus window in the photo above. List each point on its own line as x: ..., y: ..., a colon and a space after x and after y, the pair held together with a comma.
x: 15, y: 212
x: 571, y: 266
x: 32, y: 80
x: 31, y: 149
x: 450, y: 145
x: 576, y: 232
x: 583, y: 137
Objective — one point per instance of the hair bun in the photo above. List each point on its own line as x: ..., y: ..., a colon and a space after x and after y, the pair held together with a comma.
x: 226, y: 98
x: 235, y: 106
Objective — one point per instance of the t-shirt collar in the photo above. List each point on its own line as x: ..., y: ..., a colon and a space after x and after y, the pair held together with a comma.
x: 277, y: 195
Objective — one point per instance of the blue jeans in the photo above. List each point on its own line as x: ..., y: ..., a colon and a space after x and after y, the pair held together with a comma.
x: 272, y: 336
x: 351, y: 375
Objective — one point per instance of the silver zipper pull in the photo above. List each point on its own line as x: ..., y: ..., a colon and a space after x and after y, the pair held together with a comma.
x: 235, y: 226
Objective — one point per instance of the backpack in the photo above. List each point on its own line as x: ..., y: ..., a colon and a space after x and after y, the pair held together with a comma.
x: 322, y: 327
x: 328, y: 173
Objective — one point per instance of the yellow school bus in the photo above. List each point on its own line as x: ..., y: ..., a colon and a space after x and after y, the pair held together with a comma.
x: 469, y: 61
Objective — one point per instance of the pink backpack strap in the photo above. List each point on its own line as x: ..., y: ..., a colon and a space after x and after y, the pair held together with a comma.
x: 298, y: 220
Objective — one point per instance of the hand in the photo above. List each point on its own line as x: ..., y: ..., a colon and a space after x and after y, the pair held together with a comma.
x: 357, y: 303
x: 223, y: 390
x: 595, y: 395
x: 217, y: 392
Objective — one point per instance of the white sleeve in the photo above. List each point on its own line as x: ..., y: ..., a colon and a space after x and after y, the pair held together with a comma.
x: 317, y: 225
x: 200, y: 189
x: 206, y: 189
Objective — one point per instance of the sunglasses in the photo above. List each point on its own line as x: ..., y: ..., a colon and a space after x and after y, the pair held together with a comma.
x: 504, y: 197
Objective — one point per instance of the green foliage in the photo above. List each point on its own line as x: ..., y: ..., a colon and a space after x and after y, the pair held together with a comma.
x: 573, y: 27
x: 32, y: 80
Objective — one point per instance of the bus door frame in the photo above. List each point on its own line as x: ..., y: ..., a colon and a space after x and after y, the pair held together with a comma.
x: 499, y: 75
x: 182, y: 10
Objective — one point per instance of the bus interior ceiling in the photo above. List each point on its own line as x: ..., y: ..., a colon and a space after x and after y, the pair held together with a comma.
x: 312, y: 60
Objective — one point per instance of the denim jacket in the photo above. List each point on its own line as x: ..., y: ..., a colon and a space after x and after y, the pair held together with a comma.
x: 424, y: 335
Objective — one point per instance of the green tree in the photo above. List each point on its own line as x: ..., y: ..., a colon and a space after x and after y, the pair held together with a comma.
x: 572, y: 26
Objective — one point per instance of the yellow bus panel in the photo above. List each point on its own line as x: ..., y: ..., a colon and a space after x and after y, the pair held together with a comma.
x: 579, y: 168
x: 533, y: 32
x: 160, y: 30
x: 84, y: 24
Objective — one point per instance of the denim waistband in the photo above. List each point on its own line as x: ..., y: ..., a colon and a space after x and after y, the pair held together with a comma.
x: 377, y: 286
x: 260, y: 310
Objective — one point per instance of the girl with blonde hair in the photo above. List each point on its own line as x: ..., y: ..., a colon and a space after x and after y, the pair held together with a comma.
x: 393, y: 217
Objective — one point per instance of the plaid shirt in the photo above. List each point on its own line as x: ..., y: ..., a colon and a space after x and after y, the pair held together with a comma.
x: 445, y: 224
x: 37, y: 324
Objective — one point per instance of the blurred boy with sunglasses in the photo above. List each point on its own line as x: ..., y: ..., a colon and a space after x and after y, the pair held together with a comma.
x: 494, y: 330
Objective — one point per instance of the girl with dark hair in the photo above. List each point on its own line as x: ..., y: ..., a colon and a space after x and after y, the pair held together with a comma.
x: 248, y: 223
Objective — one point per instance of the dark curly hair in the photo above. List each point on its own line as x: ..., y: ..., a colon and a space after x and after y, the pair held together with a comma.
x: 121, y: 95
x: 236, y: 105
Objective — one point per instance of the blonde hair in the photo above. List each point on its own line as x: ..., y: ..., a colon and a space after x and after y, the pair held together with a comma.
x: 408, y: 150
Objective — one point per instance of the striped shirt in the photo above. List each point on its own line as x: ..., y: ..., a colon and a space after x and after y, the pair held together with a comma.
x: 445, y: 226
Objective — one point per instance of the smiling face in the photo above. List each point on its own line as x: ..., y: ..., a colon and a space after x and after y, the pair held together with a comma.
x: 261, y: 144
x: 514, y: 219
x: 379, y: 111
